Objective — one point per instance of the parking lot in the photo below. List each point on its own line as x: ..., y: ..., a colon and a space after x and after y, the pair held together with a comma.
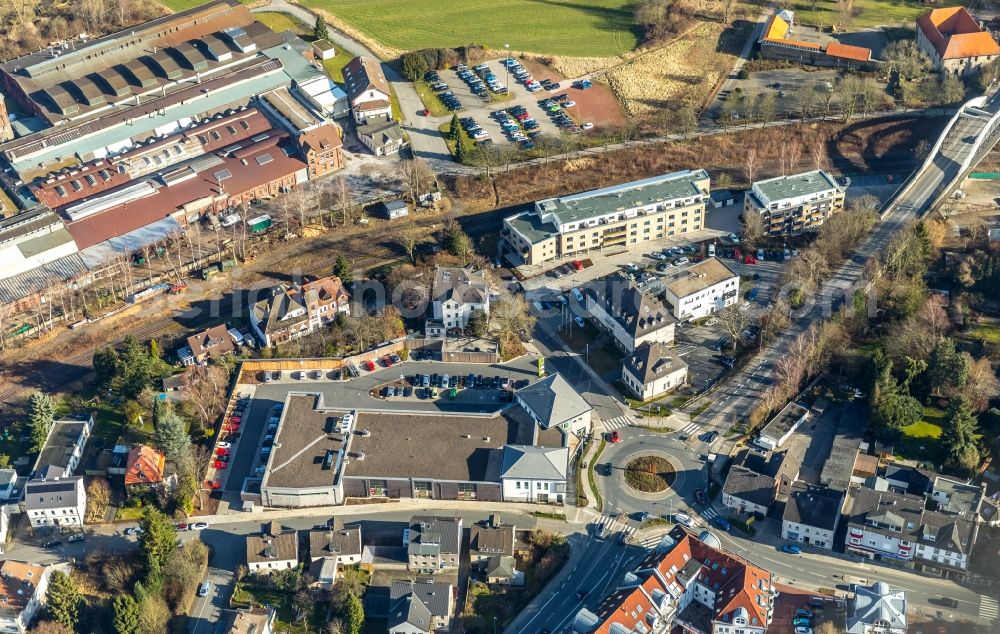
x: 468, y: 92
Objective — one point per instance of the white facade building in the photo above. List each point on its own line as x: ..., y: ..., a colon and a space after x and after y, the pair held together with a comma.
x: 56, y: 502
x: 811, y: 515
x: 23, y: 586
x: 534, y: 474
x: 652, y: 370
x: 457, y: 295
x: 701, y: 289
x: 552, y: 402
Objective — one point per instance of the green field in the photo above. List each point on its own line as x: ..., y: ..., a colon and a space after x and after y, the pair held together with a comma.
x: 586, y: 28
x: 867, y: 13
x: 990, y: 333
x: 279, y: 22
x: 920, y: 440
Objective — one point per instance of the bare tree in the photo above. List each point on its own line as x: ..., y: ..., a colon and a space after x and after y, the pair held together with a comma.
x: 794, y: 155
x: 750, y: 167
x: 206, y: 388
x: 753, y: 228
x: 734, y: 321
x: 343, y: 196
x: 409, y: 239
x: 417, y: 177
x: 818, y: 154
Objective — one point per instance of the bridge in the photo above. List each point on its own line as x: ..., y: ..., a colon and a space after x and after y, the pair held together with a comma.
x: 969, y: 135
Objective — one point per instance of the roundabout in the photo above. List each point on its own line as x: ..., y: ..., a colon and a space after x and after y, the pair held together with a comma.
x: 648, y: 473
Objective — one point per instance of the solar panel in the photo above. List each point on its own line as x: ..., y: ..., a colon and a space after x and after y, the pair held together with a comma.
x: 222, y: 175
x: 264, y: 159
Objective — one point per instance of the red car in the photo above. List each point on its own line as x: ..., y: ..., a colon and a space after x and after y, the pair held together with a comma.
x: 613, y: 437
x: 212, y: 484
x: 218, y: 465
x: 749, y: 260
x: 182, y: 526
x: 370, y: 365
x: 231, y: 427
x: 523, y: 116
x: 235, y: 419
x: 578, y: 265
x: 387, y: 361
x: 221, y: 452
x: 737, y: 254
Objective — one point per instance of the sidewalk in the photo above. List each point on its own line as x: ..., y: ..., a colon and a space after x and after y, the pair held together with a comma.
x: 576, y: 552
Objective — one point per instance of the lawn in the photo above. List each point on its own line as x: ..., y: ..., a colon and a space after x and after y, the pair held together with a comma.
x: 990, y: 333
x: 430, y: 99
x: 866, y: 12
x: 920, y: 440
x: 585, y: 28
x: 335, y: 65
x: 279, y: 22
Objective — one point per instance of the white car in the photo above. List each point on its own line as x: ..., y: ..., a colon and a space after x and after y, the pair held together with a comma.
x: 684, y: 519
x: 568, y: 104
x: 224, y: 445
x: 588, y: 125
x: 735, y: 239
x: 803, y: 630
x: 198, y: 526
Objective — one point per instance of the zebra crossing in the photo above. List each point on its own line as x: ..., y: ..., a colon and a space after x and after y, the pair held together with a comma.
x: 652, y: 541
x: 691, y: 428
x: 988, y: 609
x: 618, y: 422
x: 709, y: 513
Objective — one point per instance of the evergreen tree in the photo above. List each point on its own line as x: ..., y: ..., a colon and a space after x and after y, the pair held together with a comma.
x: 959, y: 436
x: 947, y: 368
x: 41, y: 414
x: 107, y: 364
x: 320, y: 32
x: 355, y: 614
x: 63, y: 599
x: 460, y: 149
x: 126, y: 619
x: 158, y: 539
x: 154, y: 349
x: 453, y: 130
x: 171, y: 435
x: 342, y: 269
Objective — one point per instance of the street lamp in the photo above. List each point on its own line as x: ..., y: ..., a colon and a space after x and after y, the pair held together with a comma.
x: 506, y: 47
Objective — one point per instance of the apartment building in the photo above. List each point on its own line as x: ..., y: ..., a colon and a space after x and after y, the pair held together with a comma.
x: 701, y: 289
x: 689, y: 583
x: 811, y: 515
x: 55, y: 502
x: 433, y: 543
x: 367, y: 90
x: 653, y: 369
x: 457, y: 294
x: 296, y: 311
x: 23, y: 587
x: 617, y: 216
x: 272, y: 550
x: 631, y: 315
x: 788, y: 205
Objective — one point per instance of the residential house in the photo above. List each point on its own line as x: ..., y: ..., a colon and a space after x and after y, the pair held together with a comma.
x: 57, y: 502
x: 746, y: 491
x: 292, y: 312
x: 811, y: 515
x: 502, y: 570
x: 433, y: 543
x: 782, y: 426
x: 900, y: 528
x: 392, y: 210
x: 420, y: 607
x: 617, y: 216
x: 64, y: 446
x: 534, y: 474
x: 274, y: 549
x: 490, y: 538
x: 323, y: 149
x: 652, y: 370
x: 382, y: 135
x: 213, y: 343
x: 876, y: 609
x: 688, y: 583
x: 787, y: 205
x: 8, y: 484
x: 258, y: 620
x: 552, y: 402
x: 23, y: 587
x: 342, y: 545
x: 145, y: 466
x: 957, y: 45
x: 631, y: 316
x: 701, y: 289
x: 457, y: 294
x: 367, y: 90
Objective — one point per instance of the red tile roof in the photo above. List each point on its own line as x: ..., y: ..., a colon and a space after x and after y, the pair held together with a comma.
x: 846, y: 51
x: 145, y: 466
x: 954, y: 33
x: 626, y: 607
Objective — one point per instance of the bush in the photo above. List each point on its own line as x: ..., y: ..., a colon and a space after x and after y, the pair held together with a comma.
x: 743, y: 74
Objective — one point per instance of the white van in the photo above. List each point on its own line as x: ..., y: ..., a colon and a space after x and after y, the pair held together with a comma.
x: 711, y: 250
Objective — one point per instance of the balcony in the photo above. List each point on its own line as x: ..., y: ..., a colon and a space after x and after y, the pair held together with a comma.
x: 615, y: 232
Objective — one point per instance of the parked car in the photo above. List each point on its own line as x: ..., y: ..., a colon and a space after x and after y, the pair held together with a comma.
x: 803, y: 612
x: 224, y: 445
x: 683, y: 519
x: 370, y: 365
x: 803, y: 630
x: 218, y: 465
x: 55, y: 543
x: 204, y: 588
x: 133, y: 530
x: 579, y: 321
x: 198, y: 526
x: 78, y: 537
x: 801, y: 622
x: 722, y: 523
x: 700, y: 497
x: 791, y: 549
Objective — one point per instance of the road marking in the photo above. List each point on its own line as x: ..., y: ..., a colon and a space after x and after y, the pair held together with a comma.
x: 710, y: 513
x: 988, y: 609
x: 691, y: 428
x: 618, y: 422
x: 652, y: 541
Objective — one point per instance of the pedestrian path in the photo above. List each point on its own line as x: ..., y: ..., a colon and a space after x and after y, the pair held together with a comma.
x: 709, y: 513
x: 652, y: 541
x: 987, y: 609
x: 691, y: 428
x: 607, y: 521
x: 618, y: 422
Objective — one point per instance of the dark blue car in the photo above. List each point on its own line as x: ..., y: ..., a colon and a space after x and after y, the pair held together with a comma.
x: 722, y: 523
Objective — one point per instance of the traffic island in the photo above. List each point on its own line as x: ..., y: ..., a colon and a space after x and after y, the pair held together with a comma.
x: 649, y: 474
